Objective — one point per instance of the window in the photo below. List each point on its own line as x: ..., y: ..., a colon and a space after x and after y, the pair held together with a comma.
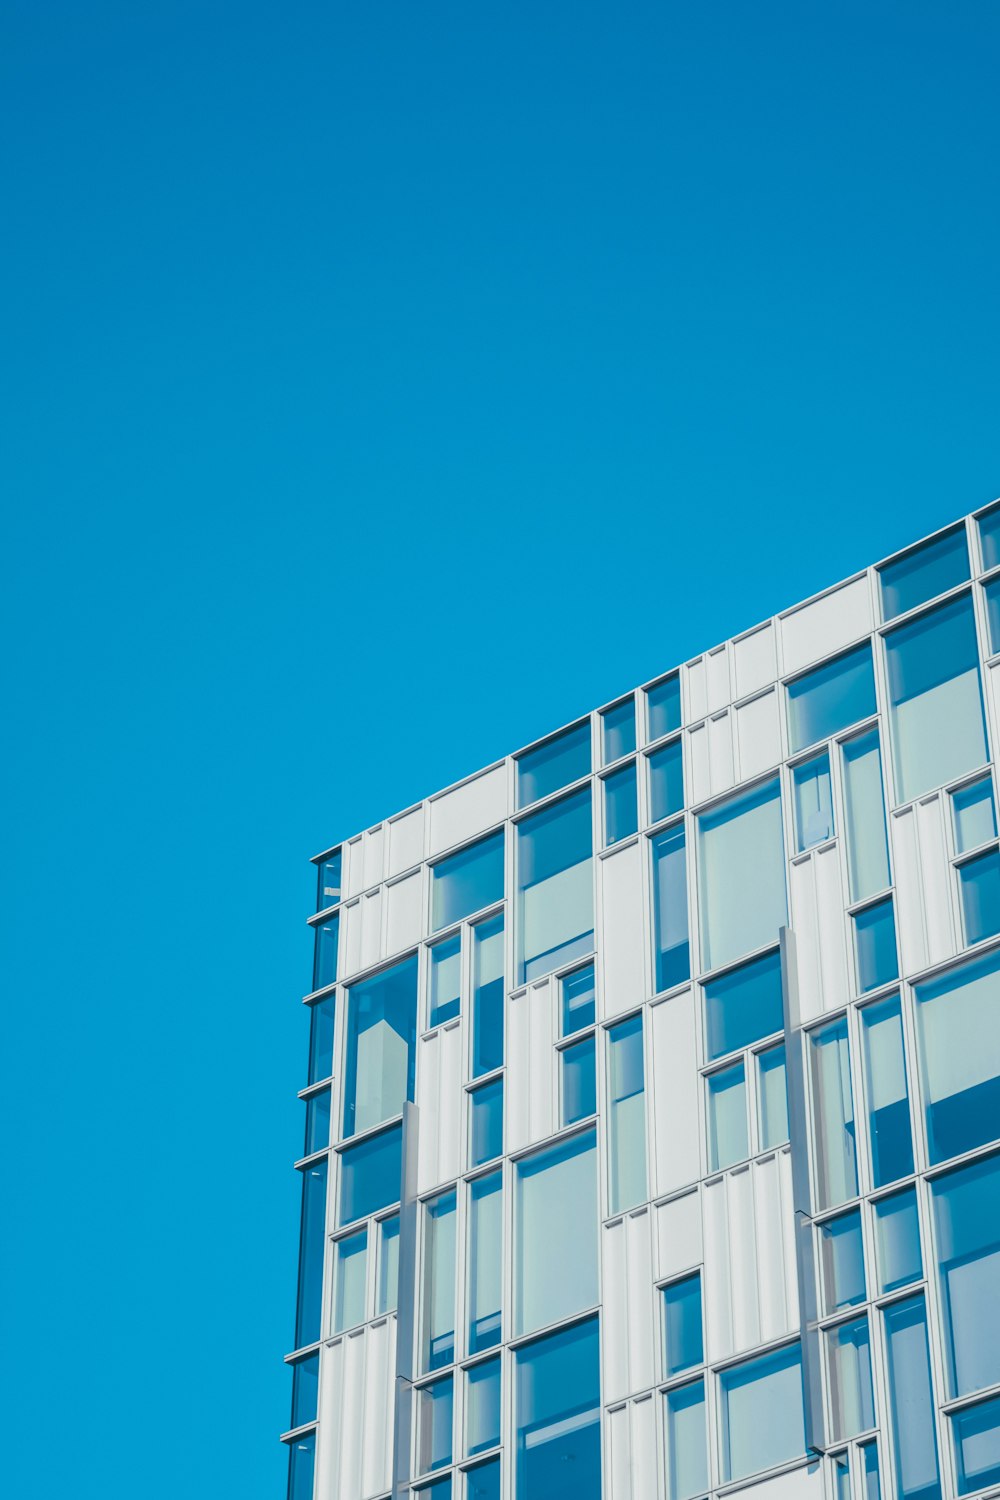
x: 325, y: 953
x: 437, y: 1341
x: 663, y: 707
x: 670, y: 917
x: 621, y: 814
x: 924, y: 572
x: 349, y: 1273
x: 371, y: 1174
x: 435, y: 1489
x: 328, y: 881
x: 482, y: 1481
x: 487, y: 996
x: 967, y: 1231
x: 897, y: 1241
x: 482, y: 1406
x: 321, y: 1018
x: 555, y: 895
x: 618, y: 730
x: 553, y: 765
x: 833, y: 1116
x: 849, y: 1370
x: 381, y: 1031
x: 744, y: 1005
x: 888, y: 1099
x: 772, y: 1097
x: 976, y: 1431
x: 666, y: 781
x: 830, y: 698
x: 579, y: 1081
x: 387, y: 1285
x: 435, y: 1409
x: 867, y: 850
x: 467, y: 881
x: 445, y: 980
x: 842, y: 1262
x: 991, y: 594
x: 687, y: 1445
x: 762, y: 1417
x: 577, y: 992
x: 842, y: 1477
x: 312, y: 1240
x: 911, y: 1401
x: 728, y: 1136
x: 317, y: 1122
x: 486, y: 1122
x: 974, y: 814
x: 875, y: 946
x: 979, y: 881
x: 485, y: 1261
x: 935, y: 699
x: 683, y: 1344
x: 305, y: 1389
x: 741, y: 863
x: 871, y: 1490
x: 813, y: 802
x: 558, y: 1404
x: 301, y: 1465
x: 959, y: 1043
x: 555, y: 1245
x: 626, y: 1115
x: 989, y: 538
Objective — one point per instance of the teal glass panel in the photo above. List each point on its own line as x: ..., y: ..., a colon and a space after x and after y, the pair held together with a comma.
x: 482, y: 1481
x: 666, y: 781
x: 618, y: 730
x: 485, y: 1261
x: 626, y: 1115
x: 371, y: 1174
x: 924, y: 572
x: 975, y: 815
x: 772, y: 1097
x: 621, y: 812
x: 381, y: 1055
x: 328, y: 889
x: 555, y: 896
x: 842, y: 1260
x: 813, y: 802
x: 684, y: 1346
x: 551, y: 766
x: 728, y: 1137
x: 989, y: 537
x: 967, y: 1233
x: 312, y: 1243
x: 687, y: 1441
x: 350, y: 1260
x: 835, y: 1155
x: 744, y: 1005
x: 763, y: 1423
x: 305, y: 1390
x: 487, y: 995
x: 991, y: 594
x: 867, y: 847
x: 959, y: 1043
x: 467, y: 881
x: 579, y: 1080
x: 437, y: 1339
x: 387, y: 1283
x: 555, y: 1232
x: 897, y: 1241
x: 445, y: 980
x: 486, y: 1122
x: 672, y: 953
x: 979, y: 882
x: 317, y: 1122
x: 888, y: 1097
x: 482, y: 1406
x: 578, y: 999
x: 741, y: 875
x: 557, y: 1397
x: 871, y: 1488
x: 852, y: 1405
x: 830, y: 698
x: 663, y: 707
x: 321, y: 1021
x: 301, y: 1467
x: 325, y: 940
x: 976, y: 1433
x: 911, y: 1401
x: 875, y: 944
x: 435, y: 1415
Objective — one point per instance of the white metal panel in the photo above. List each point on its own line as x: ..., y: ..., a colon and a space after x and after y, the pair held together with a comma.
x: 439, y: 1100
x: 771, y: 1269
x: 823, y: 626
x: 469, y: 809
x: 695, y: 690
x: 805, y: 1483
x: 354, y: 870
x: 742, y: 1251
x: 350, y: 939
x: 678, y: 1234
x: 788, y: 1238
x: 717, y: 678
x: 718, y: 1291
x: 644, y: 1466
x: 404, y: 911
x: 374, y: 856
x: 406, y: 841
x: 909, y: 896
x: 754, y: 660
x: 817, y: 907
x: 699, y: 768
x: 371, y: 928
x: 936, y: 878
x: 380, y: 1373
x: 530, y: 1085
x: 627, y: 1270
x: 758, y: 735
x: 619, y: 1453
x: 720, y: 752
x: 622, y: 941
x: 614, y: 1271
x: 674, y: 1087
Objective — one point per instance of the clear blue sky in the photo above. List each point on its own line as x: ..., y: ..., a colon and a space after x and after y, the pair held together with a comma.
x: 384, y: 384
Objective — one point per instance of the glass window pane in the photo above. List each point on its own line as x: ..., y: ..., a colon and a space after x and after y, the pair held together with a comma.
x: 482, y: 1406
x: 975, y: 816
x: 381, y: 1032
x: 445, y: 980
x: 959, y: 1044
x: 741, y: 864
x: 435, y: 1489
x: 555, y: 894
x: 976, y: 1431
x: 842, y: 1477
x: 744, y: 1005
x: 926, y: 571
x: 728, y: 1141
x: 627, y: 1115
x: 979, y: 881
x: 486, y: 1122
x: 485, y: 1261
x: 467, y: 881
x: 682, y: 1331
x: 666, y: 781
x: 317, y: 1122
x: 558, y: 1406
x: 301, y: 1466
x: 435, y: 1410
x: 833, y: 1116
x: 830, y: 698
x: 888, y: 1099
x: 555, y: 1245
x: 549, y: 767
x: 772, y: 1099
x: 875, y: 944
x: 371, y: 1174
x: 897, y: 1241
x: 842, y: 1261
x: 911, y: 1401
x: 328, y: 881
x: 325, y: 953
x: 577, y: 999
x: 871, y: 1488
x: 867, y: 849
x: 663, y: 707
x: 852, y: 1406
x: 989, y: 538
x: 618, y: 730
x: 813, y: 802
x: 672, y: 952
x: 621, y: 815
x: 936, y: 704
x: 991, y: 593
x: 349, y: 1270
x: 483, y: 1481
x: 762, y: 1416
x: 487, y: 996
x: 387, y: 1287
x: 321, y: 1018
x: 967, y: 1232
x: 437, y: 1342
x: 687, y: 1445
x: 305, y: 1388
x: 312, y: 1243
x: 579, y: 1081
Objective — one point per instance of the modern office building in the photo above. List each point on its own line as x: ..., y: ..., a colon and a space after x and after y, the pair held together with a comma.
x: 652, y: 1140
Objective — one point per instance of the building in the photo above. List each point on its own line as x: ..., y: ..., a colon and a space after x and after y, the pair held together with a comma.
x: 653, y: 1108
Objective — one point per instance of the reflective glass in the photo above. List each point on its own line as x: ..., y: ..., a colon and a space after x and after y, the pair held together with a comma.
x: 967, y: 1233
x: 627, y: 1115
x: 577, y: 999
x: 762, y: 1416
x: 936, y: 704
x: 989, y: 538
x: 328, y: 881
x: 741, y: 875
x: 663, y: 707
x: 924, y: 572
x: 482, y: 1482
x: 349, y: 1271
x: 744, y: 1005
x: 888, y: 1098
x: 487, y: 996
x: 579, y: 1081
x: 621, y: 814
x: 317, y: 1122
x: 437, y: 1341
x: 670, y: 916
x: 772, y: 1097
x: 871, y: 1490
x: 325, y: 953
x: 387, y: 1287
x: 435, y: 1489
x: 875, y: 944
x: 979, y: 880
x: 445, y: 980
x: 842, y: 1477
x: 830, y: 698
x: 852, y: 1406
x: 897, y: 1241
x: 976, y: 1431
x: 842, y: 1259
x: 666, y: 781
x: 321, y: 1019
x: 813, y: 802
x: 549, y: 767
x: 959, y: 1044
x: 555, y: 894
x: 371, y: 1174
x: 975, y: 816
x: 687, y: 1444
x: 301, y: 1467
x: 482, y: 1406
x: 435, y: 1411
x: 911, y: 1401
x: 991, y: 594
x: 833, y: 1115
x: 555, y: 1240
x: 682, y: 1333
x: 305, y: 1388
x: 728, y: 1140
x: 467, y: 881
x: 486, y: 1122
x: 485, y: 1261
x: 312, y: 1243
x: 864, y: 805
x: 618, y: 730
x: 558, y: 1412
x: 381, y: 1032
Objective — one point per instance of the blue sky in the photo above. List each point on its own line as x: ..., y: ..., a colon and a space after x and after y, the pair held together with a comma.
x: 383, y: 385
